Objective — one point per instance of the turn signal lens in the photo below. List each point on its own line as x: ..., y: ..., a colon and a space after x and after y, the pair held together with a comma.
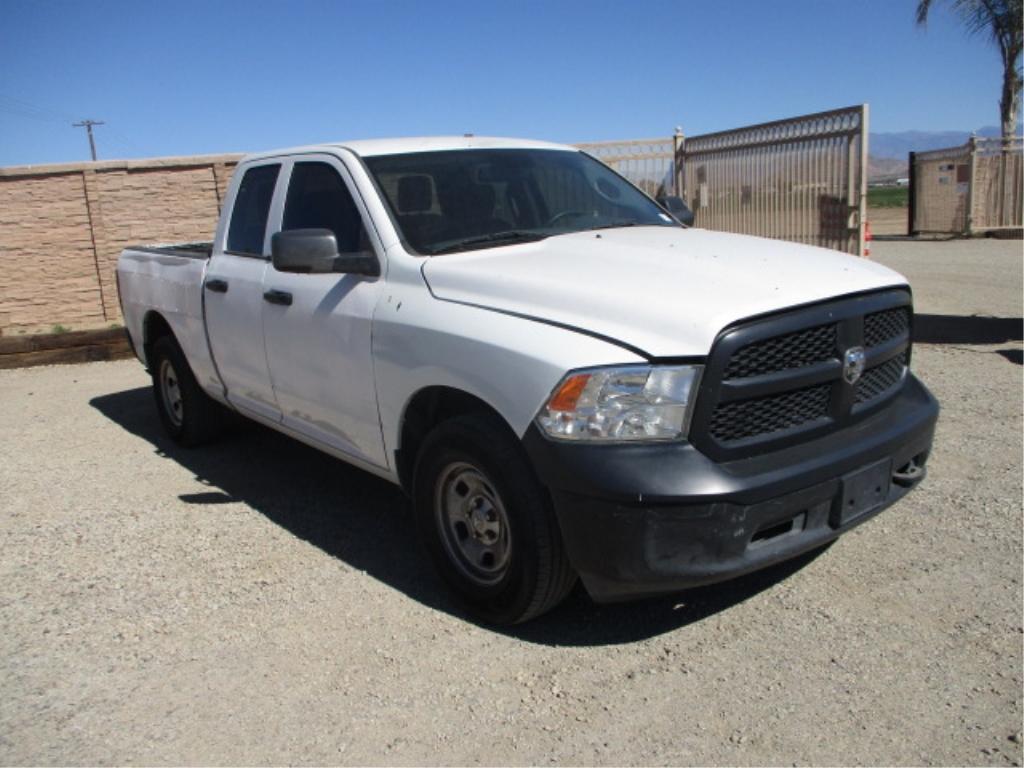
x: 630, y: 403
x: 569, y: 392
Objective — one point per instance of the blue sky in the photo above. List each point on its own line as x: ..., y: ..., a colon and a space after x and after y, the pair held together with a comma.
x: 182, y: 77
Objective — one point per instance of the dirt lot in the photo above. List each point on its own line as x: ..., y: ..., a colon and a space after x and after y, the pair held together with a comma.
x: 256, y: 602
x: 888, y: 221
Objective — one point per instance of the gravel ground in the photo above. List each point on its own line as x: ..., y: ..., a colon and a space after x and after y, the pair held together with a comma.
x: 257, y: 602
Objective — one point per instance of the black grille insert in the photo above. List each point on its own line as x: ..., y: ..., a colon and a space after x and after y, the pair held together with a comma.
x: 878, y: 380
x: 781, y: 353
x: 741, y: 419
x: 880, y: 327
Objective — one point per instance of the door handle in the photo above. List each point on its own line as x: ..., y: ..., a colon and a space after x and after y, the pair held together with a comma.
x: 217, y: 285
x: 282, y: 298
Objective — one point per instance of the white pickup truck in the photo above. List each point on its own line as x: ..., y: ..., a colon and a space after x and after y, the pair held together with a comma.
x: 566, y: 380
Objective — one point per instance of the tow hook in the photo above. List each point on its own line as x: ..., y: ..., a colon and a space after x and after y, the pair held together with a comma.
x: 909, y: 474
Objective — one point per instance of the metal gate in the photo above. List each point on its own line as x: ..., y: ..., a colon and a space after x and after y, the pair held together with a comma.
x: 968, y: 189
x: 803, y: 179
x: 648, y: 163
x: 996, y: 185
x: 939, y: 182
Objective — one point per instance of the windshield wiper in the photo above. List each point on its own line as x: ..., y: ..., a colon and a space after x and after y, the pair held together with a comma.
x: 480, y: 241
x: 615, y: 225
x: 626, y: 223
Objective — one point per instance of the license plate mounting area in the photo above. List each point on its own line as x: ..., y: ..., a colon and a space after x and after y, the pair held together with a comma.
x: 862, y: 491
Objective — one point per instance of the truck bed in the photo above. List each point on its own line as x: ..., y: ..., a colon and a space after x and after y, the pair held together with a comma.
x: 167, y: 278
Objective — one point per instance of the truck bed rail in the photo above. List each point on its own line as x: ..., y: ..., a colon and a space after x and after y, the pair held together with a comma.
x: 185, y: 250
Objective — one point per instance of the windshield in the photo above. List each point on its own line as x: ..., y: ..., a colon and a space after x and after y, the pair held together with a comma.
x: 474, y: 198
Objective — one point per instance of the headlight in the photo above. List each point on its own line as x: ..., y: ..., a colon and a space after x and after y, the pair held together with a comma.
x: 636, y: 402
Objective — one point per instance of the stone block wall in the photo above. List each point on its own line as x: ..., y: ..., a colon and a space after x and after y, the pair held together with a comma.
x: 62, y: 228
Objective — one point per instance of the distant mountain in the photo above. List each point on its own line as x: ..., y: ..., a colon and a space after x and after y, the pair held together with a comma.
x: 886, y: 168
x: 898, y: 145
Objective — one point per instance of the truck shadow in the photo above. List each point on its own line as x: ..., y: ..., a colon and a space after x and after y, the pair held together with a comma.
x: 967, y: 329
x: 970, y: 329
x: 366, y: 523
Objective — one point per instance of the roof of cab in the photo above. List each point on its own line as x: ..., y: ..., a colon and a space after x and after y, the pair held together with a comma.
x: 372, y: 147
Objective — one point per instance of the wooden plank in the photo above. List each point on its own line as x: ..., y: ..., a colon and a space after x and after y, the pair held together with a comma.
x: 42, y: 341
x: 87, y: 353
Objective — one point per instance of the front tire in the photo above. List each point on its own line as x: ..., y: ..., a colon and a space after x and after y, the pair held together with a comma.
x: 487, y: 521
x: 189, y: 416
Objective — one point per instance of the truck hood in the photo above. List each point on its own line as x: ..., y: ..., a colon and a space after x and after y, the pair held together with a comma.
x: 666, y: 292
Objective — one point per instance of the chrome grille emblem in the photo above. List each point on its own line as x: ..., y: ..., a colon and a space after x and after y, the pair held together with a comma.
x: 853, y: 364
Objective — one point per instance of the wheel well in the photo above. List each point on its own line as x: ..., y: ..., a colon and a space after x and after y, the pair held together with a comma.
x: 428, y: 408
x: 154, y: 327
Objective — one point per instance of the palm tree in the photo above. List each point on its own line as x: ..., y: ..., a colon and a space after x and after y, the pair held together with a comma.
x: 1003, y: 20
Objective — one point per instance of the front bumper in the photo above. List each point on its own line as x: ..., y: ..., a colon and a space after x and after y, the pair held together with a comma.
x: 641, y: 520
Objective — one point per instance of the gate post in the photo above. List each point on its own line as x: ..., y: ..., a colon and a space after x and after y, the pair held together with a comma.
x: 678, y: 142
x: 862, y: 182
x: 911, y: 193
x: 972, y: 167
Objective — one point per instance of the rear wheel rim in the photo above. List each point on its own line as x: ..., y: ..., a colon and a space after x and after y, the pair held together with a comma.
x: 170, y: 393
x: 473, y: 523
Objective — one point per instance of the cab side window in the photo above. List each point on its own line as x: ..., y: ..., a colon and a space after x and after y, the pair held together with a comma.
x: 252, y: 204
x: 318, y: 199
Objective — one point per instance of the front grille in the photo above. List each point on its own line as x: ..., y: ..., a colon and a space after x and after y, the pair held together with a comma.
x: 779, y: 379
x: 879, y: 327
x: 876, y: 381
x: 749, y: 418
x: 791, y: 350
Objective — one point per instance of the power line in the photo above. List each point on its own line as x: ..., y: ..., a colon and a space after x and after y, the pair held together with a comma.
x: 123, y: 140
x: 88, y: 124
x: 15, y: 107
x: 24, y: 108
x: 8, y: 110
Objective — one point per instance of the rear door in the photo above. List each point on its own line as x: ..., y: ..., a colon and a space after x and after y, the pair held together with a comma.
x: 318, y: 345
x: 233, y: 293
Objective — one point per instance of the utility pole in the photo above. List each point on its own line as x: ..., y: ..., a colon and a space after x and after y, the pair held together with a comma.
x: 88, y: 124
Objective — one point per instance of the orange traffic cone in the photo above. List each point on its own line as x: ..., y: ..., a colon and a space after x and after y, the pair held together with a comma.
x: 867, y: 239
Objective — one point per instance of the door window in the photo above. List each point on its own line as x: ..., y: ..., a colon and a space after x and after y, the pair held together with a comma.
x: 252, y: 204
x: 319, y: 199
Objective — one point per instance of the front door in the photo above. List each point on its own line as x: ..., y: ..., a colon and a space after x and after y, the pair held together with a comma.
x: 318, y: 345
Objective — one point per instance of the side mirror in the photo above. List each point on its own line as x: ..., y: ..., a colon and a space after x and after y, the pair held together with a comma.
x: 315, y: 251
x: 675, y: 206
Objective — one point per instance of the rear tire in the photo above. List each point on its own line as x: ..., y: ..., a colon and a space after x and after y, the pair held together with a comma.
x: 487, y: 521
x: 189, y: 416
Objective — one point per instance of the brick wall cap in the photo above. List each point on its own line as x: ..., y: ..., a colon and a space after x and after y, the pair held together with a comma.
x: 148, y: 163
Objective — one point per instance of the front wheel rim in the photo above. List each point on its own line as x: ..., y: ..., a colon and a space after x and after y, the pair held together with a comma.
x: 170, y: 392
x: 473, y: 523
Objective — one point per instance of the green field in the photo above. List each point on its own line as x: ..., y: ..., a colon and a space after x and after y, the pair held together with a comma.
x: 888, y: 197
